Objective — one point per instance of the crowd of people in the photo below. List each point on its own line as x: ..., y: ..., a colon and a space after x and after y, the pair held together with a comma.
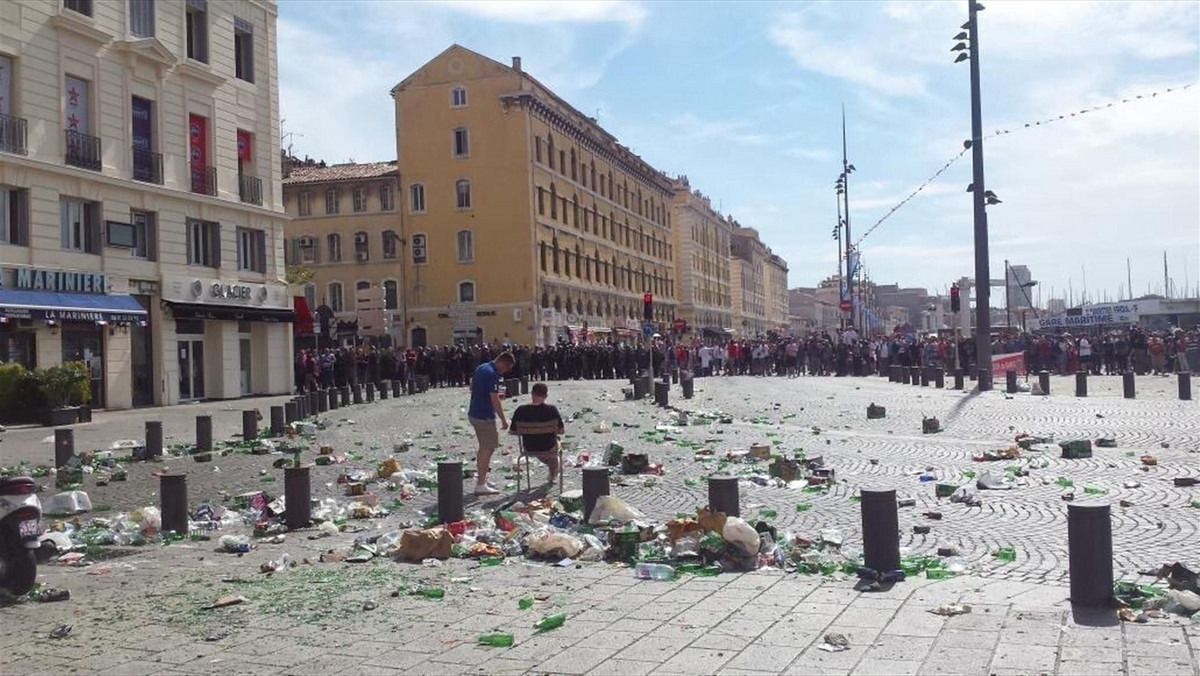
x: 836, y: 353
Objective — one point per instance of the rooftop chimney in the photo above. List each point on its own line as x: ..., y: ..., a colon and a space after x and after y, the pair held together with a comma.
x: 516, y: 61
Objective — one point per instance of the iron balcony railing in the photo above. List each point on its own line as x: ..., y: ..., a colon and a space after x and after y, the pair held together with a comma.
x: 147, y: 166
x: 83, y: 151
x: 204, y: 180
x: 13, y: 135
x: 250, y: 189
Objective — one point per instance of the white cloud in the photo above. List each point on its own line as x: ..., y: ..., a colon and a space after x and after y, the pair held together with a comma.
x: 631, y: 14
x: 692, y: 128
x: 814, y: 154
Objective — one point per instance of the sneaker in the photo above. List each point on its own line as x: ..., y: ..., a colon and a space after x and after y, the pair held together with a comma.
x: 485, y: 489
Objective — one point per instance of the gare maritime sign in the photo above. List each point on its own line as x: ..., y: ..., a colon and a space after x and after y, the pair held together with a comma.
x: 61, y: 281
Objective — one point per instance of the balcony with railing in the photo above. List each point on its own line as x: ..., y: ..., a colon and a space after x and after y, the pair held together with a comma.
x: 83, y: 151
x: 147, y: 166
x: 250, y: 189
x: 204, y: 180
x: 13, y: 135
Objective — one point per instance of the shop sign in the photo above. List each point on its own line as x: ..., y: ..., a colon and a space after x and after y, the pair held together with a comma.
x: 220, y: 292
x: 61, y: 281
x: 231, y: 291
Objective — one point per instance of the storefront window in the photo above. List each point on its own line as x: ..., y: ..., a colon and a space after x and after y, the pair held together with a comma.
x: 18, y: 347
x: 85, y: 343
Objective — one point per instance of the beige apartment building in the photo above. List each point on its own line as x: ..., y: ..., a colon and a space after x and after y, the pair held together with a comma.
x: 747, y: 265
x: 702, y: 237
x: 526, y: 221
x: 140, y: 201
x: 775, y: 293
x: 345, y: 227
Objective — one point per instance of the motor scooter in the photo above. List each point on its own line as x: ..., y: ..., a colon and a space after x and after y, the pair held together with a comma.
x: 20, y: 533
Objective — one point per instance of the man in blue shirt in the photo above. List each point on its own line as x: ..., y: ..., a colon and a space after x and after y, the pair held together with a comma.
x: 485, y: 408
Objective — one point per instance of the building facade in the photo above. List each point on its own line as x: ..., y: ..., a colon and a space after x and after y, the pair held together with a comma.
x: 345, y: 229
x: 702, y: 264
x: 140, y: 198
x: 747, y: 265
x: 775, y: 293
x: 526, y: 221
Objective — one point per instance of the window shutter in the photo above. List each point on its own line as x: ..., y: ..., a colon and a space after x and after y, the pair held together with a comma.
x: 94, y: 226
x: 152, y: 237
x: 215, y: 233
x: 261, y: 240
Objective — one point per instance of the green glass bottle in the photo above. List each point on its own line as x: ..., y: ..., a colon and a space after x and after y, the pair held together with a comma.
x: 497, y: 640
x: 428, y: 592
x: 550, y: 622
x: 491, y: 560
x: 803, y: 506
x: 767, y: 514
x: 938, y: 573
x: 525, y: 603
x: 1006, y: 554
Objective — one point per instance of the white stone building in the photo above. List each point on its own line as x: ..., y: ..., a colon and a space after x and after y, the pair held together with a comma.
x: 139, y: 154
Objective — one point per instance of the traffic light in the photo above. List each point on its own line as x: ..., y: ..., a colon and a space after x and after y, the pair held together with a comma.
x: 647, y: 307
x: 955, y: 305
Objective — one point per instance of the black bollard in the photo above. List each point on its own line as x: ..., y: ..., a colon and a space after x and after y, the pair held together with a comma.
x: 1089, y: 542
x: 939, y: 378
x: 894, y: 373
x: 370, y: 392
x: 64, y: 446
x: 450, y: 491
x: 204, y: 434
x: 249, y: 424
x: 173, y: 503
x: 1130, y: 385
x: 985, y: 380
x: 880, y: 529
x: 723, y: 495
x: 1081, y: 383
x: 905, y: 375
x: 1185, y: 385
x: 332, y: 394
x: 314, y: 403
x: 396, y: 385
x: 344, y: 395
x: 322, y: 401
x: 595, y: 484
x: 385, y: 389
x: 301, y: 407
x: 512, y: 387
x: 524, y: 384
x: 278, y: 421
x: 925, y: 377
x: 915, y: 377
x: 674, y: 376
x: 356, y: 391
x: 411, y: 385
x: 689, y: 387
x: 1044, y: 382
x: 639, y: 388
x: 297, y: 491
x: 154, y: 439
x: 958, y: 379
x: 291, y: 412
x: 1010, y: 381
x: 662, y: 393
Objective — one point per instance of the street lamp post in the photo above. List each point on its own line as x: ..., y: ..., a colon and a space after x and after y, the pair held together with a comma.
x: 843, y: 189
x: 837, y: 234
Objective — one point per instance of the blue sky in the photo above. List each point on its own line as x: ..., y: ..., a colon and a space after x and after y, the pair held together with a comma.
x: 745, y: 99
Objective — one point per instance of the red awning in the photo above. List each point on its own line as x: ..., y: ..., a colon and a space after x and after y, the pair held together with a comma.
x: 302, y: 323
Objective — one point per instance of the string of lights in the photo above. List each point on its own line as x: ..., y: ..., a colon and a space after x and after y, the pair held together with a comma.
x: 1004, y: 132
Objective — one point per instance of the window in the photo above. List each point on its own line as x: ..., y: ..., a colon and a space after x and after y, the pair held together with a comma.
x: 243, y: 49
x: 387, y: 198
x: 204, y: 243
x: 81, y: 6
x: 304, y: 203
x: 334, y: 296
x: 462, y: 146
x: 466, y: 246
x: 334, y: 247
x: 462, y: 194
x: 466, y: 292
x: 538, y: 148
x: 310, y: 295
x: 14, y: 215
x: 141, y: 18
x: 420, y: 255
x: 416, y: 198
x: 362, y: 247
x: 574, y: 166
x: 80, y: 226
x: 144, y: 223
x: 307, y: 249
x: 391, y: 296
x: 542, y: 258
x: 359, y: 197
x: 390, y: 240
x: 197, y: 30
x: 359, y: 287
x: 458, y: 97
x: 251, y: 250
x: 541, y: 201
x: 331, y: 200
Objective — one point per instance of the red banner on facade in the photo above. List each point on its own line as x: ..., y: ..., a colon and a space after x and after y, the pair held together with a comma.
x: 243, y: 145
x: 198, y: 151
x: 1002, y: 363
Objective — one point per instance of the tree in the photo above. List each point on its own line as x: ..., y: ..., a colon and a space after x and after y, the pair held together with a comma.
x: 298, y: 274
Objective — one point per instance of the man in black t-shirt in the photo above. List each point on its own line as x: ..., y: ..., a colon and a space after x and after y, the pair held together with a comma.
x: 544, y: 447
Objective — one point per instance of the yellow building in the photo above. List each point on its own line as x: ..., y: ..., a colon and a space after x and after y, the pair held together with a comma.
x: 748, y: 257
x: 702, y: 238
x: 526, y: 221
x: 775, y: 293
x: 345, y: 228
x: 141, y: 221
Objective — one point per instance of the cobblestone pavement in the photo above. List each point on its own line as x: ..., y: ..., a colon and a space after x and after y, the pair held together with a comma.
x: 138, y: 611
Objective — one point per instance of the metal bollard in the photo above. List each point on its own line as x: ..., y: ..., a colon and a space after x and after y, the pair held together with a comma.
x: 396, y: 385
x: 1081, y: 383
x: 204, y: 434
x: 301, y: 407
x: 662, y: 393
x: 291, y: 412
x: 370, y: 392
x: 1044, y: 382
x: 595, y: 484
x: 173, y: 503
x: 894, y: 373
x: 249, y: 424
x: 64, y: 446
x: 450, y: 491
x: 154, y: 439
x: 385, y: 389
x: 723, y: 495
x: 524, y: 384
x: 332, y: 395
x: 1130, y: 385
x: 344, y: 395
x: 512, y: 387
x: 411, y: 386
x: 639, y: 388
x: 314, y: 403
x: 916, y: 376
x: 880, y: 529
x: 1089, y: 542
x: 297, y: 491
x: 1185, y: 385
x: 958, y: 379
x: 1010, y: 381
x: 278, y: 421
x: 322, y: 401
x: 985, y: 380
x: 356, y: 391
x: 925, y: 377
x: 674, y: 376
x: 689, y: 387
x: 905, y: 375
x: 939, y: 378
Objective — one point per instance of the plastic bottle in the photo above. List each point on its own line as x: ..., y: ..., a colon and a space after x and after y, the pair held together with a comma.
x: 1006, y: 554
x: 525, y: 603
x: 428, y: 592
x: 1095, y: 490
x: 497, y: 640
x: 653, y: 571
x: 550, y: 622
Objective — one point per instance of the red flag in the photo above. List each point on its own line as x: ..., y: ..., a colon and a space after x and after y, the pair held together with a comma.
x: 243, y: 145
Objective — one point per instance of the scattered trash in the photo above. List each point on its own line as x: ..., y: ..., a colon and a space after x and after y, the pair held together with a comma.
x: 550, y: 622
x: 61, y: 631
x: 71, y: 502
x: 49, y: 595
x: 835, y: 643
x: 930, y: 426
x: 875, y: 412
x: 1075, y: 449
x: 497, y: 640
x: 225, y: 602
x: 951, y: 609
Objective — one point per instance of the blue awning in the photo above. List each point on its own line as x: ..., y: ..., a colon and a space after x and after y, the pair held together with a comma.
x: 70, y: 307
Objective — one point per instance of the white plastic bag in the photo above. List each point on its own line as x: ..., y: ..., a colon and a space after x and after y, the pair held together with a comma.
x: 611, y: 508
x: 72, y: 502
x: 554, y: 545
x: 742, y: 535
x: 148, y: 519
